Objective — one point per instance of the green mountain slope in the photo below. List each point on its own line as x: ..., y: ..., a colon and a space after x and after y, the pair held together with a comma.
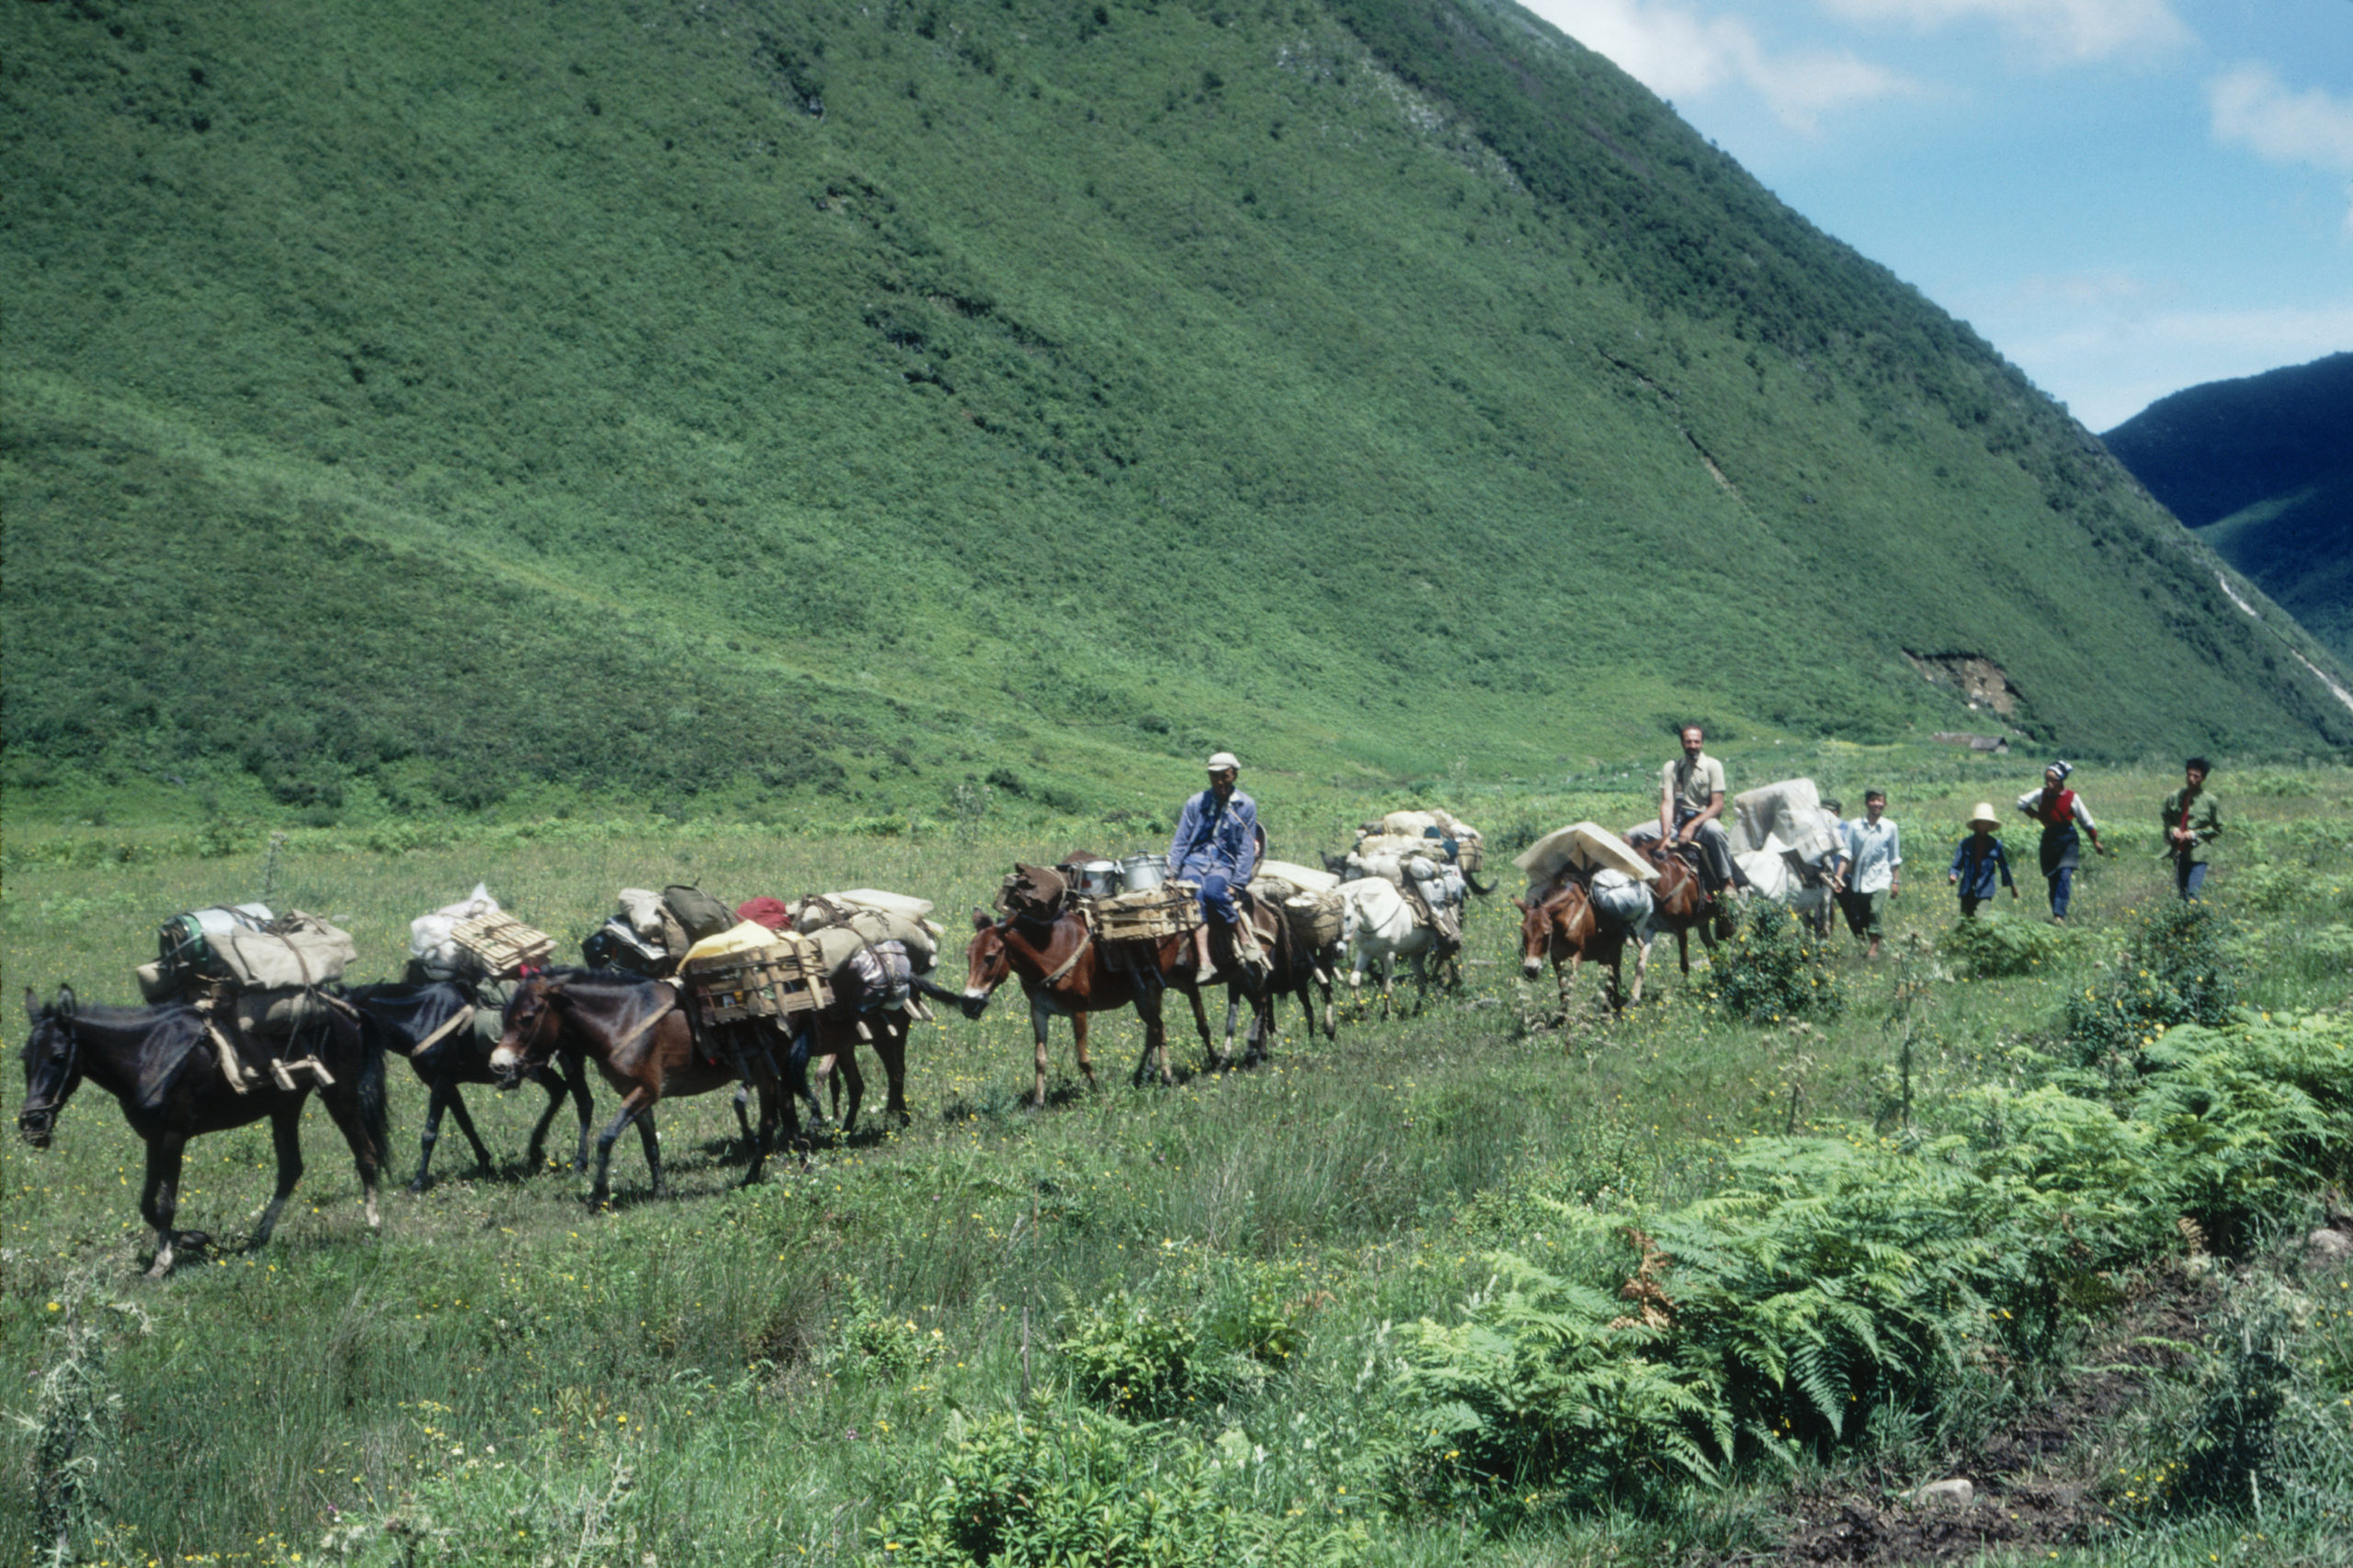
x: 413, y: 403
x: 2262, y: 467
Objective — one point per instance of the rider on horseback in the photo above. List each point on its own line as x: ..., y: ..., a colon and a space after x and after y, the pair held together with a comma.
x: 1216, y: 846
x: 1691, y: 799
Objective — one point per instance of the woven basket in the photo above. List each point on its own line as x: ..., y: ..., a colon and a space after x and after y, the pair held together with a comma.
x: 764, y: 983
x: 504, y: 945
x: 1314, y: 918
x: 1172, y: 909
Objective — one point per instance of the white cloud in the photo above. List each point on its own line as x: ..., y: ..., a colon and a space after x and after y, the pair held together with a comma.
x: 2109, y: 364
x: 2056, y: 32
x: 1676, y: 51
x: 2254, y: 109
x: 2251, y: 106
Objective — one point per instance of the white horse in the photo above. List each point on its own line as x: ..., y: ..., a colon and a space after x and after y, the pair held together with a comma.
x: 1776, y: 876
x: 1377, y: 926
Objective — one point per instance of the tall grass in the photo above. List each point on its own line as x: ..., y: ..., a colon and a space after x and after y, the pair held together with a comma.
x: 732, y: 1376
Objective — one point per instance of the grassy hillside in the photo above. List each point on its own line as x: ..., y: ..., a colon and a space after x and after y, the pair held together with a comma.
x: 2261, y: 468
x: 418, y: 406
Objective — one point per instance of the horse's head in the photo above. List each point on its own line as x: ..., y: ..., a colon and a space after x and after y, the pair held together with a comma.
x: 1562, y: 913
x: 52, y: 1065
x: 986, y: 967
x: 531, y: 1027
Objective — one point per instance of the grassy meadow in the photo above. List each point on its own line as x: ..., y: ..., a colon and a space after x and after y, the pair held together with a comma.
x: 1344, y: 1308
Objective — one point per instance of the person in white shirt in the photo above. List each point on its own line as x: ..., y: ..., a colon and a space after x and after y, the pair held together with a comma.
x: 1873, y: 870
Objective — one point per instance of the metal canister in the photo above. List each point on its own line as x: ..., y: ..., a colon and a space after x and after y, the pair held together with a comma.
x: 1140, y: 873
x: 1099, y: 879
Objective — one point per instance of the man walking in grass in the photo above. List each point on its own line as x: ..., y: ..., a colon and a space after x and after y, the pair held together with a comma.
x: 1874, y: 869
x: 2192, y: 823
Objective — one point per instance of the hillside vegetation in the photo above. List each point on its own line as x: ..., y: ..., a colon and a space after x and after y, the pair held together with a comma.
x: 2262, y: 468
x: 416, y: 407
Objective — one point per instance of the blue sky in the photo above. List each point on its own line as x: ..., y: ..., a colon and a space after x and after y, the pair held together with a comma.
x: 2125, y: 196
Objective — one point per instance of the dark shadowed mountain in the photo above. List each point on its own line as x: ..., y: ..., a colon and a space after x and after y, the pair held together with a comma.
x: 749, y: 401
x: 2262, y: 468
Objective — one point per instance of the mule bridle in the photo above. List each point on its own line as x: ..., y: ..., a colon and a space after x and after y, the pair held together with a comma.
x: 70, y: 1069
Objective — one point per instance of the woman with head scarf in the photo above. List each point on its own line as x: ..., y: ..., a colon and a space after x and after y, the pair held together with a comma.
x: 2061, y: 813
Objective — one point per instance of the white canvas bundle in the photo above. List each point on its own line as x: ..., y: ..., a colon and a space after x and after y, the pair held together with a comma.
x: 642, y: 907
x: 1305, y: 878
x: 429, y: 935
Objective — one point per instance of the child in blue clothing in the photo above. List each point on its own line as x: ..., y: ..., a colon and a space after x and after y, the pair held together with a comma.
x: 1978, y: 860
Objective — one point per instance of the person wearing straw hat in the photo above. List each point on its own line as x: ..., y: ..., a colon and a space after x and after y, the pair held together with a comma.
x: 1216, y: 847
x: 1978, y: 860
x: 2061, y: 813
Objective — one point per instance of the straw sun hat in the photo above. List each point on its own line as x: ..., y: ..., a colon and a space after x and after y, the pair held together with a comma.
x: 1985, y: 814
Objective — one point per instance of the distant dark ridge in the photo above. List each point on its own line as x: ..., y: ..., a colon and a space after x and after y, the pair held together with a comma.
x: 2213, y: 450
x: 2262, y: 468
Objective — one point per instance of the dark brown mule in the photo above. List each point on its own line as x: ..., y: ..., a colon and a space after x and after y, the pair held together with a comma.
x: 160, y: 1063
x: 852, y: 1020
x: 1681, y: 904
x: 432, y: 1025
x: 1562, y: 924
x: 1291, y: 972
x: 636, y: 1033
x: 1064, y: 970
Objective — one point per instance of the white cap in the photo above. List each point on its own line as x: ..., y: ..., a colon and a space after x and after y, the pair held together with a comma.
x: 1224, y: 760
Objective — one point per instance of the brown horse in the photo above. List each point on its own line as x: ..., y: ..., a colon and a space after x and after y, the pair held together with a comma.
x: 1063, y: 969
x: 1682, y: 904
x: 636, y: 1033
x: 1560, y: 923
x: 159, y: 1062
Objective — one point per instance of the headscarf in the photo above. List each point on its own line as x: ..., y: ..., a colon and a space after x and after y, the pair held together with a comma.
x: 2062, y: 769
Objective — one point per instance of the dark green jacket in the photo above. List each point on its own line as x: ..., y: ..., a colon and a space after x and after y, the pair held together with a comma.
x: 2205, y: 821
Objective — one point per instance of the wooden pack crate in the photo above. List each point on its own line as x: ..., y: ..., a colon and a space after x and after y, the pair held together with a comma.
x: 1171, y: 910
x: 504, y: 943
x: 764, y: 983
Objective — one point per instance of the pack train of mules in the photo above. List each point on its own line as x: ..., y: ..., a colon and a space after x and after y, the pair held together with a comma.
x: 1592, y: 894
x: 246, y: 1017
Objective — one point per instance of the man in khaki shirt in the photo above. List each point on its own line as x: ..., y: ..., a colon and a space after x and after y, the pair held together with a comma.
x: 1690, y: 799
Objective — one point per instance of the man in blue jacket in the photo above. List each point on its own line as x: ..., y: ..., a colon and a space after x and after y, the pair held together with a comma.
x: 1216, y: 846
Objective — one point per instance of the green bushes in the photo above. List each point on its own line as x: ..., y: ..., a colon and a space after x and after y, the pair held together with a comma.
x: 2175, y: 969
x: 1998, y: 946
x: 1773, y: 968
x: 1049, y: 1488
x: 1832, y: 1277
x: 1153, y: 1353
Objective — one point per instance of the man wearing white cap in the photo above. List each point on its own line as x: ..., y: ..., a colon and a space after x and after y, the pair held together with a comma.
x: 1216, y: 846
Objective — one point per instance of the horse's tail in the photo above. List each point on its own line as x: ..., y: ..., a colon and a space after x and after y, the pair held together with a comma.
x: 1470, y: 880
x: 375, y: 1113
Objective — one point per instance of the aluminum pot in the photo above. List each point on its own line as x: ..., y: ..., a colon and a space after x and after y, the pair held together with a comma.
x: 1099, y: 879
x: 1140, y: 873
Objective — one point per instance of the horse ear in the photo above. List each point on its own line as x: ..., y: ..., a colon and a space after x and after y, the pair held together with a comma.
x: 982, y: 920
x: 66, y: 1005
x: 1520, y: 904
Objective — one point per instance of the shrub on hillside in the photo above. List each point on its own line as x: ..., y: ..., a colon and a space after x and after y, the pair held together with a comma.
x: 1998, y: 946
x: 1773, y: 968
x: 2175, y: 969
x: 1050, y: 1488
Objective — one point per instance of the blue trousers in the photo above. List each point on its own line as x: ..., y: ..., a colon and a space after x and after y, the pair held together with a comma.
x: 2063, y: 888
x: 1217, y: 899
x: 2188, y: 878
